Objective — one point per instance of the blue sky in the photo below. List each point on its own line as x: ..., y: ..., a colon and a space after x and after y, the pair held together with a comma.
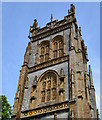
x: 16, y: 21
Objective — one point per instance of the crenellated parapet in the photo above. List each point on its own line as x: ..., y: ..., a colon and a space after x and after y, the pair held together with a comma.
x: 52, y: 27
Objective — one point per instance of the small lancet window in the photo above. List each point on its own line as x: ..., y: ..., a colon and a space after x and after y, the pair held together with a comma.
x: 47, y: 49
x: 42, y: 50
x: 60, y: 45
x: 55, y: 46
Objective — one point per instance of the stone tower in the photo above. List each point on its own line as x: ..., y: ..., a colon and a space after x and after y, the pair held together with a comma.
x: 54, y: 81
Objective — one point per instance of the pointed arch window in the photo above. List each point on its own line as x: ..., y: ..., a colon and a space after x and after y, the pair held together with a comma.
x: 55, y: 46
x: 58, y: 46
x: 44, y: 51
x: 49, y: 84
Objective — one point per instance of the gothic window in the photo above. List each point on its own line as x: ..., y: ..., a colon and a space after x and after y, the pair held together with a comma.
x: 58, y: 46
x: 48, y: 89
x: 44, y: 51
x: 55, y: 46
x: 47, y: 49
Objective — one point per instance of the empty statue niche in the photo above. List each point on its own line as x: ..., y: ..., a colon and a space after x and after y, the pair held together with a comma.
x: 26, y: 84
x: 72, y: 85
x: 33, y: 93
x: 61, y: 95
x: 62, y: 77
x: 32, y: 102
x: 34, y: 86
x: 18, y: 93
x: 61, y: 85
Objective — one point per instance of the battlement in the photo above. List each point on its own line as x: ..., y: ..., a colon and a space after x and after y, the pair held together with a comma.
x: 56, y: 25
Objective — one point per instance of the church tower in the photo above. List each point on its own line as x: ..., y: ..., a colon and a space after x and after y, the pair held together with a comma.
x: 54, y: 81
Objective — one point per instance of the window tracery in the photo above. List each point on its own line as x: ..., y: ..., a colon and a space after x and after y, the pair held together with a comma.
x: 43, y: 96
x: 48, y: 95
x: 49, y: 84
x: 58, y: 46
x: 44, y: 51
x: 53, y: 93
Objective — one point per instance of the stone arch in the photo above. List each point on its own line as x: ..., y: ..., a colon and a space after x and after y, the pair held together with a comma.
x: 46, y: 72
x: 58, y: 37
x: 45, y: 42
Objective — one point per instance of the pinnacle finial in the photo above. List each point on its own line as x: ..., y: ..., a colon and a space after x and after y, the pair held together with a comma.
x: 35, y: 24
x: 29, y: 30
x: 51, y: 17
x: 72, y: 8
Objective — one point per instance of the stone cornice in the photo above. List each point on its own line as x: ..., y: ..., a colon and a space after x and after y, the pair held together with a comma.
x: 48, y: 63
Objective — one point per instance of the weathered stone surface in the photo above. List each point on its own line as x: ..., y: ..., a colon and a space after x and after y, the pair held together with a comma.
x: 54, y: 72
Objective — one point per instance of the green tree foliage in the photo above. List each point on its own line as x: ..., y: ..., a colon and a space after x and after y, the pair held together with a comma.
x: 5, y: 108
